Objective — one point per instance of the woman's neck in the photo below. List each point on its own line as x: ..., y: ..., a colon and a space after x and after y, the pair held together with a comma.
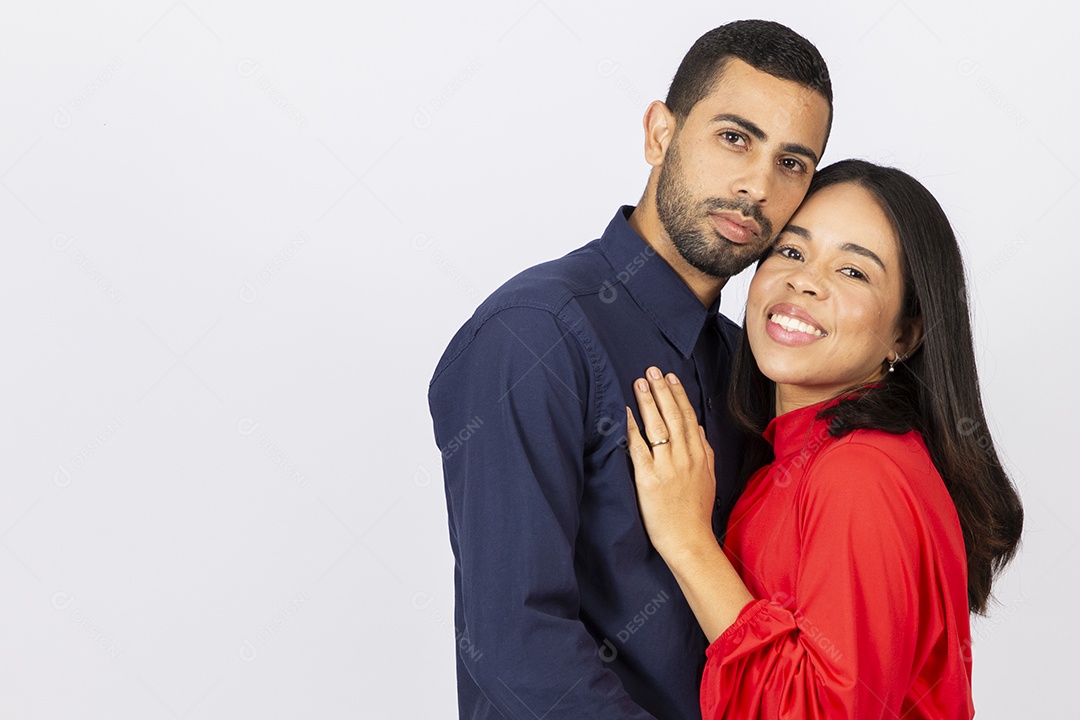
x: 793, y: 397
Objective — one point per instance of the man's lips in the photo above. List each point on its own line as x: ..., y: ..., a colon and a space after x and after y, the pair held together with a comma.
x: 735, y: 227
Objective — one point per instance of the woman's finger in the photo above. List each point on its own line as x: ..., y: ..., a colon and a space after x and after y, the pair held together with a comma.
x: 669, y: 407
x: 656, y: 429
x: 686, y: 409
x: 710, y: 456
x: 635, y: 444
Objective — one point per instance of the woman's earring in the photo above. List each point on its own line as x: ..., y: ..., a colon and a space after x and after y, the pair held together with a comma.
x: 892, y: 363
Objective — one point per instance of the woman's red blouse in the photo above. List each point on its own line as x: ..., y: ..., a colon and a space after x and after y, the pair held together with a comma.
x: 854, y: 550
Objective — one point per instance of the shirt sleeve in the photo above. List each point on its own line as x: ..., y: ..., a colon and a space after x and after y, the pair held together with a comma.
x: 843, y: 646
x: 514, y: 483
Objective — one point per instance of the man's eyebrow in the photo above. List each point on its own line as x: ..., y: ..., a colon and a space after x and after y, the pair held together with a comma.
x: 747, y: 125
x: 797, y: 149
x: 751, y: 127
x: 846, y: 247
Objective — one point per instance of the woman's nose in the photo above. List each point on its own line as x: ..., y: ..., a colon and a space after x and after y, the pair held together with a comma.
x: 807, y: 281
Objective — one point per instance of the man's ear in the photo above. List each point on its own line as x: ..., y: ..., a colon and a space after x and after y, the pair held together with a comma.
x: 911, y: 336
x: 659, y: 125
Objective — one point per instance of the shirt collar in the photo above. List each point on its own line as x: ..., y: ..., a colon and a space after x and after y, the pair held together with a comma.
x: 654, y: 285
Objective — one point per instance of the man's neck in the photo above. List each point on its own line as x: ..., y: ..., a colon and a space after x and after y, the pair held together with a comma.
x: 646, y: 223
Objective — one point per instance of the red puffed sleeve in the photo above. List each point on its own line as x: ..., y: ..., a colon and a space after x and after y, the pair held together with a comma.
x: 844, y: 644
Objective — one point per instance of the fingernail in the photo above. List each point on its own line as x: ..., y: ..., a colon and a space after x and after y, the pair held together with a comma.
x: 672, y: 379
x: 654, y: 373
x: 642, y: 386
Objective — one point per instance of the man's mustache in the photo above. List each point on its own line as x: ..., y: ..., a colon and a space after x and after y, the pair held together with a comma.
x: 746, y: 208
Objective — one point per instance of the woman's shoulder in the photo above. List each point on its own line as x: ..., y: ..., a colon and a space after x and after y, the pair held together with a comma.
x: 869, y: 449
x: 881, y: 493
x: 872, y: 466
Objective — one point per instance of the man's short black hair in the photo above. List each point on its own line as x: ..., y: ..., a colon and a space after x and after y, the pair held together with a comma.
x: 764, y: 45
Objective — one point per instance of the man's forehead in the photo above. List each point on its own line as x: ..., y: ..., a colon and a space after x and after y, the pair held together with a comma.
x: 784, y: 110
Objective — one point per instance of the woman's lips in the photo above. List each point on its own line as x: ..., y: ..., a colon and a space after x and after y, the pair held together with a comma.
x: 791, y: 325
x: 734, y: 227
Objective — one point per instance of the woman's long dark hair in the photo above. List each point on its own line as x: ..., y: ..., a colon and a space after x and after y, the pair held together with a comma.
x: 935, y: 391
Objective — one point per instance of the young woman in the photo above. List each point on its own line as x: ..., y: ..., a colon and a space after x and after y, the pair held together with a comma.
x: 879, y: 513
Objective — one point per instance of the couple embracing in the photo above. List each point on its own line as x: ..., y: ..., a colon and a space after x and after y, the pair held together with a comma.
x: 666, y: 515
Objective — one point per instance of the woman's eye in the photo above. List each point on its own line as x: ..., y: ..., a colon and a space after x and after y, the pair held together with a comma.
x: 789, y: 252
x: 853, y: 273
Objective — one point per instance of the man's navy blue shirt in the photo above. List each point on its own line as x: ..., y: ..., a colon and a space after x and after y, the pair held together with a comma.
x: 563, y: 608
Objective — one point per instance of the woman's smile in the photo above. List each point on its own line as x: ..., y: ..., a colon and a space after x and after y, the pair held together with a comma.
x: 791, y: 325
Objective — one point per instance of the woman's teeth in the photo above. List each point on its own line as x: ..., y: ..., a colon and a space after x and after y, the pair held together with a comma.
x: 793, y: 325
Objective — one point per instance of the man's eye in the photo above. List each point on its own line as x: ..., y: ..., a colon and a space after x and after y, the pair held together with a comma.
x: 796, y: 166
x: 733, y: 137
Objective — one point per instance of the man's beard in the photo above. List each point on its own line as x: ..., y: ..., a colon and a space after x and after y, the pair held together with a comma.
x: 680, y: 214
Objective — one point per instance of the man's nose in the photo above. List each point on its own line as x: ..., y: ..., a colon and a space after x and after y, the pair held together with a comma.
x: 753, y: 183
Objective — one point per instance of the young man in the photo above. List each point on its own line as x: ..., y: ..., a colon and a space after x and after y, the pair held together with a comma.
x: 563, y: 609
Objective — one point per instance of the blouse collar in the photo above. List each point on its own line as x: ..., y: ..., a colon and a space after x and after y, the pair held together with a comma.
x: 796, y: 430
x: 793, y: 431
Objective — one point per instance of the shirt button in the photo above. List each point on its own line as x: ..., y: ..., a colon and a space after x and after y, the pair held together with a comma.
x: 708, y: 403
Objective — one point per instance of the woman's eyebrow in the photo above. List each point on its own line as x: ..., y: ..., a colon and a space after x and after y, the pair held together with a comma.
x: 797, y: 230
x: 846, y: 247
x: 865, y: 252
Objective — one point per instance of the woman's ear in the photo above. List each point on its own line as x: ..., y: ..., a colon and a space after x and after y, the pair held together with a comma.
x: 910, y: 337
x: 659, y: 125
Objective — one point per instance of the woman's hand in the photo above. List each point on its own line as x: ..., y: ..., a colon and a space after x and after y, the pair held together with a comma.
x: 676, y: 479
x: 676, y: 484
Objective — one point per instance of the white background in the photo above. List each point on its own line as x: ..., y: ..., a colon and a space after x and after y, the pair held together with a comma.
x: 239, y: 236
